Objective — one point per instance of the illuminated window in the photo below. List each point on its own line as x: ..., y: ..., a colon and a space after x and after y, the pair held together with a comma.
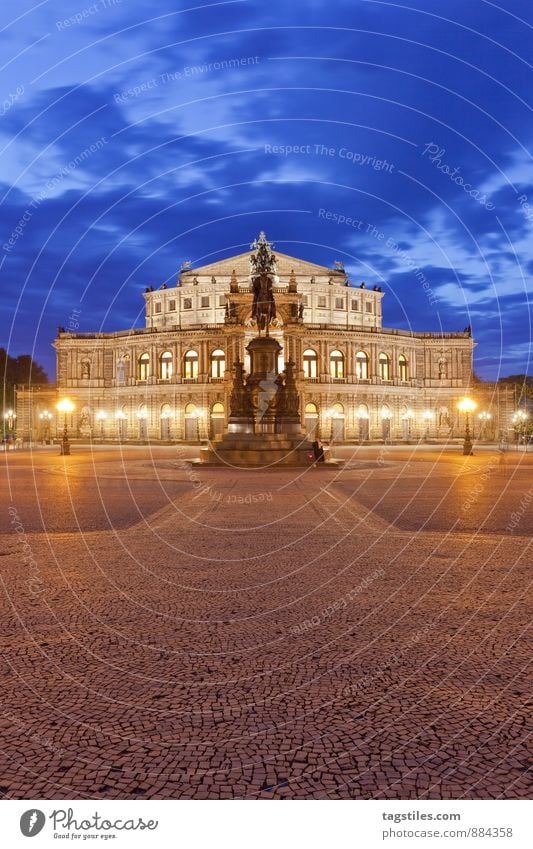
x: 402, y: 367
x: 191, y: 365
x: 310, y: 363
x: 361, y: 365
x: 165, y: 366
x: 384, y: 367
x: 336, y: 364
x: 218, y: 363
x: 144, y: 366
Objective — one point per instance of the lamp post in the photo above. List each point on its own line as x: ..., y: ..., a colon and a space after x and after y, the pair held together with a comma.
x: 165, y: 417
x: 427, y: 415
x: 408, y: 417
x: 467, y: 406
x: 331, y: 414
x: 386, y: 416
x: 197, y: 415
x: 121, y: 417
x: 519, y: 421
x: 484, y: 417
x: 65, y: 406
x: 101, y: 416
x: 142, y: 416
x: 45, y: 418
x: 9, y: 420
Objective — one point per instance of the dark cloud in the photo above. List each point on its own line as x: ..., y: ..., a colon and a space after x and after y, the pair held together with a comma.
x: 186, y: 168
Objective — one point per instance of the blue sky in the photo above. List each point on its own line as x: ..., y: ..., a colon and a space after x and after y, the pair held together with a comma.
x: 135, y: 136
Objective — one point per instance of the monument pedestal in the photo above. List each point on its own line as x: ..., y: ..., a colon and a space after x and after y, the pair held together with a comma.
x: 264, y: 428
x: 257, y: 450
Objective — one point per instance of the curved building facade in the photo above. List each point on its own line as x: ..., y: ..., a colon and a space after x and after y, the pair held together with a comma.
x: 358, y: 380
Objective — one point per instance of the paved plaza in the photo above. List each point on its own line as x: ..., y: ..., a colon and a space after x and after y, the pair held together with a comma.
x: 359, y: 632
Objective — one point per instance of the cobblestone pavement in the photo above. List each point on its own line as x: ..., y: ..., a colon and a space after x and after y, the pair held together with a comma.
x: 169, y: 633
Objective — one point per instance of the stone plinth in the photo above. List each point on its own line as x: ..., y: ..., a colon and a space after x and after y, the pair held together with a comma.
x: 257, y: 450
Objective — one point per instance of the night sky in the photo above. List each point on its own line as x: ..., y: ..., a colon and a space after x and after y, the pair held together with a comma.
x: 394, y: 137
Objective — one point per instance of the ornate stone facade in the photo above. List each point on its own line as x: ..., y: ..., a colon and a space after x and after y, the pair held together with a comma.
x: 357, y: 380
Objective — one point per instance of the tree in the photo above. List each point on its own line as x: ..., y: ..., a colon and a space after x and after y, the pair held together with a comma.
x: 16, y: 370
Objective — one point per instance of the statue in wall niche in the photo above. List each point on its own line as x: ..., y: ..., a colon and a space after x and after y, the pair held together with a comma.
x: 443, y: 368
x: 213, y: 279
x: 301, y: 309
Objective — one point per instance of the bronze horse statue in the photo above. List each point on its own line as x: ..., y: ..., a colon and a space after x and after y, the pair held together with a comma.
x: 263, y: 307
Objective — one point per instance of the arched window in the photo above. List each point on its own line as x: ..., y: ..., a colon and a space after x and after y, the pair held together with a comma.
x: 384, y: 366
x: 144, y: 366
x: 166, y: 411
x: 218, y: 363
x: 336, y: 364
x: 362, y: 411
x: 310, y: 363
x: 190, y: 410
x: 191, y: 365
x: 311, y: 409
x: 361, y: 365
x: 165, y: 365
x: 402, y: 367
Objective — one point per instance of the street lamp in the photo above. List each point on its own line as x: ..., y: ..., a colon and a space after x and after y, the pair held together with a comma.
x: 331, y: 414
x: 121, y: 418
x: 484, y: 417
x: 9, y: 419
x: 519, y: 421
x: 408, y: 417
x: 466, y: 406
x: 197, y: 414
x: 65, y: 406
x: 386, y: 417
x: 45, y: 418
x: 427, y: 415
x: 101, y: 416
